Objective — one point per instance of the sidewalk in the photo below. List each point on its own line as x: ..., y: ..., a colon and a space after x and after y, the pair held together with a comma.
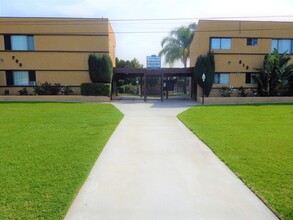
x: 153, y: 167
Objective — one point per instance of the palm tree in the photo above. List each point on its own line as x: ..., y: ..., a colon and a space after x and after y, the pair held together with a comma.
x: 177, y: 45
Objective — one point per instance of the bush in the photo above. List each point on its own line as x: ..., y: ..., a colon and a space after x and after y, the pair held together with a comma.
x: 100, y: 68
x: 47, y: 89
x: 95, y: 89
x: 129, y: 88
x: 226, y: 91
x: 242, y: 92
x: 66, y: 91
x: 23, y: 91
x: 205, y: 64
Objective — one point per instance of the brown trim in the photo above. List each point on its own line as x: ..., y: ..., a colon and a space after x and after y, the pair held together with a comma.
x: 238, y: 37
x: 165, y: 71
x: 241, y: 53
x: 21, y: 86
x: 45, y: 70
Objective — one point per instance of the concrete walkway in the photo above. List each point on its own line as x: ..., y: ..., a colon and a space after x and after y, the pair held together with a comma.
x: 153, y: 167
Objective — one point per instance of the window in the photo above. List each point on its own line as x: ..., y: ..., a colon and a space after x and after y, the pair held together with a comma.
x: 282, y: 45
x: 20, y: 78
x: 251, y: 41
x: 19, y: 42
x: 222, y: 78
x: 220, y: 43
x: 250, y: 78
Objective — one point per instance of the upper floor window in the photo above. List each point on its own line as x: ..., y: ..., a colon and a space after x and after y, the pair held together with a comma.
x: 222, y: 78
x: 220, y: 43
x: 19, y: 42
x: 282, y: 45
x: 251, y: 41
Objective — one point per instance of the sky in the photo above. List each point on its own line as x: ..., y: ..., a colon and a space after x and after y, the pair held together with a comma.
x: 138, y: 37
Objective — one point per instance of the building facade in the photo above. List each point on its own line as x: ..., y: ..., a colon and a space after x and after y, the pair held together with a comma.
x: 239, y: 48
x: 56, y: 50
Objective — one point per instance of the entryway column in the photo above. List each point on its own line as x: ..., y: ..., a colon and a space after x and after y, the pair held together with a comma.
x: 162, y: 88
x: 145, y: 87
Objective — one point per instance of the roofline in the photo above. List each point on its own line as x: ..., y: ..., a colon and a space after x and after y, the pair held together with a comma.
x: 55, y: 18
x: 248, y: 21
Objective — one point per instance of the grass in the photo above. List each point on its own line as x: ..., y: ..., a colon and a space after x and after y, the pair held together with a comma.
x: 256, y: 142
x: 46, y: 152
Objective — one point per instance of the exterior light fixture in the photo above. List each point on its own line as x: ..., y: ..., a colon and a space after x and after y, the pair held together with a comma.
x: 203, y: 77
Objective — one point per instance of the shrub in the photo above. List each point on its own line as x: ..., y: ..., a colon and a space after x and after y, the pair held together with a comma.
x: 129, y: 88
x: 242, y: 92
x: 66, y: 91
x: 276, y: 76
x: 47, y: 89
x: 23, y: 91
x: 100, y: 68
x: 205, y: 64
x: 95, y: 89
x: 226, y: 91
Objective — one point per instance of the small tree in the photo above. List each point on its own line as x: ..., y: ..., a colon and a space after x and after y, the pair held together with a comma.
x: 100, y: 68
x: 276, y: 75
x: 205, y: 64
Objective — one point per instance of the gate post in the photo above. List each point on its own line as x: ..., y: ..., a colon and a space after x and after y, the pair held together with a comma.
x: 145, y: 82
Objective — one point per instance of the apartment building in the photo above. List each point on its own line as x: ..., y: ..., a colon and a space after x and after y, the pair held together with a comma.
x: 56, y: 50
x: 239, y: 48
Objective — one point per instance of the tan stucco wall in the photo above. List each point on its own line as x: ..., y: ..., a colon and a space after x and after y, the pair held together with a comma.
x: 69, y: 26
x: 240, y: 59
x: 62, y: 47
x: 63, y: 77
x: 112, y: 44
x: 2, y: 78
x: 71, y: 43
x: 45, y: 60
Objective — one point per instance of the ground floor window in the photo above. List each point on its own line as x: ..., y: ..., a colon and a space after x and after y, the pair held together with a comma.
x: 222, y: 78
x: 20, y: 78
x: 250, y: 78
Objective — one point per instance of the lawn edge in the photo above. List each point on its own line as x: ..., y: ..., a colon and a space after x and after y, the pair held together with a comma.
x: 236, y: 174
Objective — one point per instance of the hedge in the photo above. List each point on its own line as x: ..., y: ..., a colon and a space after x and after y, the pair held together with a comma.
x: 100, y: 68
x: 95, y: 89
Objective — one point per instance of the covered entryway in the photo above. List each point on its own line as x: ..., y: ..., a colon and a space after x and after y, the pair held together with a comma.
x: 165, y: 77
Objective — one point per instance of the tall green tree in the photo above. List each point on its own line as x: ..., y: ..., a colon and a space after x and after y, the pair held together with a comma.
x: 205, y: 64
x: 134, y: 63
x: 276, y: 75
x: 100, y: 68
x: 176, y: 46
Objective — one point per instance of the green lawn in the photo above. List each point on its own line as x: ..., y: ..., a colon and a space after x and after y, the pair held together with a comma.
x: 256, y: 142
x: 46, y: 152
